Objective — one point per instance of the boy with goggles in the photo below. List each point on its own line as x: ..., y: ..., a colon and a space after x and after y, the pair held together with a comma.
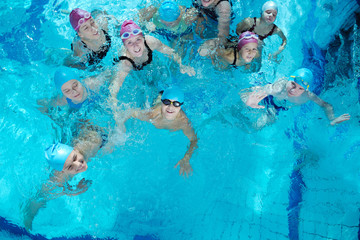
x: 167, y: 114
x: 295, y: 90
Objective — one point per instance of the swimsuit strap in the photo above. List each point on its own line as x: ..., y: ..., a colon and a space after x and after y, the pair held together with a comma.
x: 269, y: 33
x: 253, y: 26
x: 95, y: 57
x: 220, y: 2
x: 260, y: 36
x: 137, y: 67
x: 234, y: 63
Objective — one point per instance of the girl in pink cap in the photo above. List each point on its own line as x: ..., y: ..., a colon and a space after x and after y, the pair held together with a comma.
x: 137, y: 53
x: 241, y: 54
x: 92, y: 42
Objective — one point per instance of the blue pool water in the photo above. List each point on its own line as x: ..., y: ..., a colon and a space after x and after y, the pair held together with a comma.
x: 297, y: 179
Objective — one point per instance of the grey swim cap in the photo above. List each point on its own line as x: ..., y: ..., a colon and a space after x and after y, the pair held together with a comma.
x: 269, y: 5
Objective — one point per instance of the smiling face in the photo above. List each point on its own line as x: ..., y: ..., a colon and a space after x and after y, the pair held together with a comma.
x: 294, y: 90
x: 73, y: 90
x: 75, y: 163
x: 248, y: 52
x: 135, y: 45
x: 269, y: 15
x: 89, y: 30
x: 206, y: 3
x: 169, y: 112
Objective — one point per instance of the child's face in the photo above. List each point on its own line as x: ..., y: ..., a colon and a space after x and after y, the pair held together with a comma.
x: 169, y: 112
x: 89, y: 30
x: 248, y: 52
x: 269, y: 15
x: 135, y: 45
x: 73, y: 90
x: 75, y: 163
x: 294, y: 89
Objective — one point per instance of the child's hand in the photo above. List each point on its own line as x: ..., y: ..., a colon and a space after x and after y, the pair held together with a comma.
x: 188, y: 70
x: 82, y: 187
x: 185, y: 167
x: 340, y: 119
x: 254, y: 99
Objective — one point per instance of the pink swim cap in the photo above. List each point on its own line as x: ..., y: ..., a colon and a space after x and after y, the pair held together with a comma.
x: 247, y: 37
x: 129, y: 26
x: 78, y: 17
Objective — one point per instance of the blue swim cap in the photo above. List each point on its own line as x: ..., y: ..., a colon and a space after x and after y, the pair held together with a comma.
x: 169, y: 11
x: 304, y: 77
x: 173, y: 93
x: 63, y: 75
x: 57, y: 154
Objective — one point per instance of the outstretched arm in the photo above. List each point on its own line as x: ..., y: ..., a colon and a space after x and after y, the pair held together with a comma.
x: 224, y: 12
x: 185, y: 167
x: 283, y: 44
x: 244, y: 25
x: 122, y: 72
x: 328, y: 109
x: 52, y: 102
x: 156, y: 44
x: 50, y: 190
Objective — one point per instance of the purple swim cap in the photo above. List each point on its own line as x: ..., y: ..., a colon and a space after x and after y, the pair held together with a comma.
x: 129, y: 27
x: 247, y: 37
x: 78, y: 17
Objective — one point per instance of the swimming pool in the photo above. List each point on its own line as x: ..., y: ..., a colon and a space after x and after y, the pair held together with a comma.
x: 296, y: 179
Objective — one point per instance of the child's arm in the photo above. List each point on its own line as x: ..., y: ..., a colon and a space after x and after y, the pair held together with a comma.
x: 224, y: 12
x: 159, y: 46
x: 283, y: 44
x: 185, y: 167
x: 328, y: 109
x: 123, y: 70
x: 52, y: 102
x: 244, y: 25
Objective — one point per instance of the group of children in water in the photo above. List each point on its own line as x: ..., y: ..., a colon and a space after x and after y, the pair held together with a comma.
x: 177, y: 24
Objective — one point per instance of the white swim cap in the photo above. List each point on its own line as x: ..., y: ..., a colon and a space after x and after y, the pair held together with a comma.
x: 269, y: 5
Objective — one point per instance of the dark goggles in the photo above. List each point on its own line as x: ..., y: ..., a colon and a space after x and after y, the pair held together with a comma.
x: 168, y: 102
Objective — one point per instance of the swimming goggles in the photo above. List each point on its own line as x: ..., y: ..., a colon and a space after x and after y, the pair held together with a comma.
x: 135, y: 32
x: 82, y: 20
x: 168, y: 102
x: 301, y: 81
x: 249, y: 36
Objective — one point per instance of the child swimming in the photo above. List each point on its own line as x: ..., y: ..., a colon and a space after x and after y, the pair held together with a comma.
x: 169, y: 20
x: 92, y: 41
x: 66, y: 161
x: 218, y: 11
x: 285, y: 92
x: 138, y: 53
x: 240, y: 55
x: 167, y: 114
x: 264, y: 26
x: 74, y: 94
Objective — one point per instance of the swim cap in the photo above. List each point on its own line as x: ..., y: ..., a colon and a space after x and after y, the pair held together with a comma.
x: 128, y: 26
x: 169, y: 11
x: 304, y: 77
x: 269, y: 5
x: 63, y: 75
x: 57, y: 154
x: 173, y: 93
x: 247, y: 37
x: 78, y: 17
